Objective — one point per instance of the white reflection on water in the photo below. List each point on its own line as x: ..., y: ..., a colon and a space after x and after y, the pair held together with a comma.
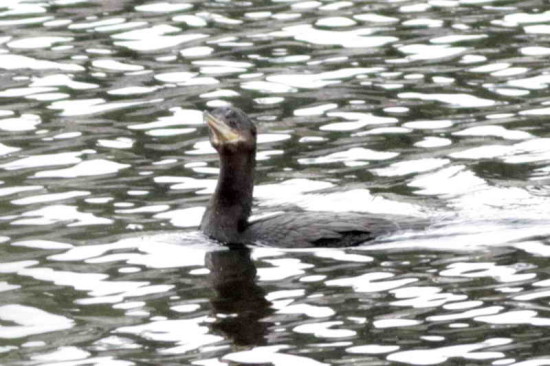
x: 170, y: 131
x: 360, y: 38
x: 38, y: 42
x: 48, y: 96
x: 203, y: 186
x: 119, y: 27
x: 423, y: 297
x: 81, y: 107
x: 42, y: 244
x: 17, y: 8
x: 118, y: 143
x: 423, y: 22
x: 196, y: 51
x: 86, y: 168
x: 395, y: 323
x: 371, y: 282
x: 154, y: 38
x: 27, y: 122
x: 429, y: 125
x: 187, y: 334
x: 221, y: 67
x: 511, y: 71
x: 61, y: 80
x: 489, y: 68
x: 523, y: 152
x: 324, y: 330
x: 291, y: 266
x: 289, y: 187
x: 306, y: 5
x: 525, y: 18
x: 24, y: 21
x: 19, y: 92
x: 355, y: 154
x: 343, y: 256
x: 50, y: 197
x: 335, y: 22
x: 67, y: 135
x: 153, y: 209
x: 532, y: 83
x: 457, y: 38
x: 411, y: 166
x: 187, y: 308
x: 536, y: 112
x: 315, y: 81
x: 163, y: 7
x: 538, y: 29
x: 220, y: 93
x: 30, y: 321
x: 6, y: 150
x: 186, y: 217
x: 63, y: 354
x: 316, y: 110
x: 267, y: 87
x: 97, y: 23
x: 114, y: 65
x: 499, y: 273
x: 497, y: 131
x: 429, y: 52
x: 59, y: 214
x: 13, y: 62
x: 414, y: 8
x: 99, y: 288
x: 439, y: 355
x: 190, y: 20
x: 456, y: 100
x: 358, y: 200
x: 359, y: 120
x: 372, y: 349
x: 45, y: 160
x: 535, y: 51
x: 261, y: 354
x: 179, y: 117
x: 469, y: 314
x: 158, y: 251
x: 375, y: 18
x: 4, y: 286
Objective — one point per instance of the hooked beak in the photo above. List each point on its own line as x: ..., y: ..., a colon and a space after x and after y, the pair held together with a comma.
x: 221, y: 132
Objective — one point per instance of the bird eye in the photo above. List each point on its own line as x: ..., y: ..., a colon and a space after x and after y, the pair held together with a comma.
x: 231, y: 118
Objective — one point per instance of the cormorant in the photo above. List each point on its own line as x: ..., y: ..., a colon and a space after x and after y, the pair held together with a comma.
x: 233, y: 135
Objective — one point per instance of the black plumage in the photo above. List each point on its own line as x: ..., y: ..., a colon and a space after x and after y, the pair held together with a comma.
x: 317, y: 229
x: 233, y: 135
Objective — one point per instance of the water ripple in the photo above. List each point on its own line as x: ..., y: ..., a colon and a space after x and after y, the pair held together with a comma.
x: 434, y: 109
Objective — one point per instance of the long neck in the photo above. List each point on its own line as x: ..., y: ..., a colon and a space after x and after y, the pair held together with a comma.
x: 229, y: 207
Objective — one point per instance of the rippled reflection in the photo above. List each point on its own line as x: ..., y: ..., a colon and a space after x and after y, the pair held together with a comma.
x: 434, y: 109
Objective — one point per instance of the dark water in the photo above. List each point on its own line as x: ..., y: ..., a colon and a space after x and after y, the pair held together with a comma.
x: 435, y: 109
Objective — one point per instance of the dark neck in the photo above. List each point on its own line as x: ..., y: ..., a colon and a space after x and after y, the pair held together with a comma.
x: 227, y: 212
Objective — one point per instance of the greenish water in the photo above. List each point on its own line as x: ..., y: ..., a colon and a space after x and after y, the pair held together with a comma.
x: 434, y: 109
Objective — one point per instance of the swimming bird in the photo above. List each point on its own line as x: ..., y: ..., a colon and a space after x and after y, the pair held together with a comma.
x: 226, y: 219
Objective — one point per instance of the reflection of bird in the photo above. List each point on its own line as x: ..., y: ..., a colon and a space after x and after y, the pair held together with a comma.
x: 233, y: 135
x: 232, y: 275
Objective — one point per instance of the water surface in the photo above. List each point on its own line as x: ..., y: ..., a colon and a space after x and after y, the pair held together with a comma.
x: 433, y: 109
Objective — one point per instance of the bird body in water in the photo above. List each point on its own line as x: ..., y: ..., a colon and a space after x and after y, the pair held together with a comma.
x: 233, y: 135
